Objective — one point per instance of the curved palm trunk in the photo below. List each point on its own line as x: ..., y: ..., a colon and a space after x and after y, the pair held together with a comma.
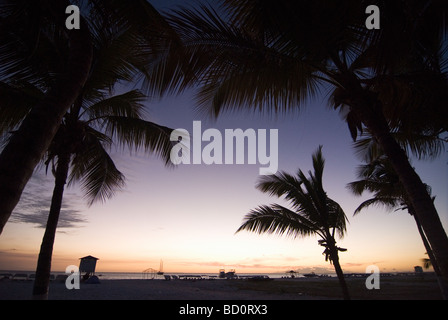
x: 28, y: 145
x: 42, y: 281
x: 422, y: 203
x: 341, y: 278
x: 442, y: 284
x: 368, y: 109
x: 425, y: 242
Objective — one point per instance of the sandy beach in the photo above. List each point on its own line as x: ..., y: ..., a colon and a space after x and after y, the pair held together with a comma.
x: 393, y: 288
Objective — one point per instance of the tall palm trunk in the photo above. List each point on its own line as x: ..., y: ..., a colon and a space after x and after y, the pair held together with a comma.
x: 422, y: 203
x: 368, y: 109
x: 442, y: 284
x: 425, y: 242
x: 340, y: 274
x: 334, y: 258
x: 42, y: 281
x: 28, y: 145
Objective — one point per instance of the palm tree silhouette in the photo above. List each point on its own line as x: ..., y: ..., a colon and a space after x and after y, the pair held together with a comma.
x: 312, y: 212
x: 271, y: 56
x: 36, y: 47
x: 379, y: 178
x: 96, y: 121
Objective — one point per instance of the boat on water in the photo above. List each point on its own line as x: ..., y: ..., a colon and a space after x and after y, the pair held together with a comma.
x: 227, y: 275
x: 310, y: 275
x: 260, y: 278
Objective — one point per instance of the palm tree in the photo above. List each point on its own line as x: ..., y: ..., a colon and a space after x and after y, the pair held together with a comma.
x: 36, y: 46
x: 312, y: 212
x: 28, y: 144
x: 378, y: 177
x: 274, y: 55
x: 79, y: 153
x: 95, y: 121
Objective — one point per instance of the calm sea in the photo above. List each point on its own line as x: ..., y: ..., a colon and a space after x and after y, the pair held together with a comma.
x: 140, y: 275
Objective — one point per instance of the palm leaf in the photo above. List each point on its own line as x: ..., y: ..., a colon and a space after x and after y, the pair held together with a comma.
x: 281, y: 184
x: 157, y: 53
x: 276, y: 219
x: 139, y: 134
x: 128, y: 104
x: 15, y: 103
x: 337, y: 218
x: 387, y: 202
x: 311, y: 212
x: 95, y: 170
x: 379, y: 177
x: 32, y: 40
x: 235, y: 68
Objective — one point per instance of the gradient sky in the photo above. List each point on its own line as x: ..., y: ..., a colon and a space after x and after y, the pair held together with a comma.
x: 188, y: 215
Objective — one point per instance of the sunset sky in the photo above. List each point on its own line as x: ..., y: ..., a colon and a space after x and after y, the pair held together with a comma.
x: 188, y: 215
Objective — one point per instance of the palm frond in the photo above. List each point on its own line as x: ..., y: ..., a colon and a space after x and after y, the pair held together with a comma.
x: 379, y: 178
x: 318, y: 166
x: 95, y: 170
x: 238, y: 69
x: 387, y: 202
x: 156, y: 52
x: 128, y: 104
x: 281, y: 184
x: 15, y: 103
x: 367, y: 185
x: 279, y: 220
x: 32, y: 40
x: 311, y: 212
x: 139, y: 134
x: 129, y: 58
x: 337, y: 218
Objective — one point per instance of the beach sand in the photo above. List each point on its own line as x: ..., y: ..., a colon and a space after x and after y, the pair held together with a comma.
x: 399, y: 288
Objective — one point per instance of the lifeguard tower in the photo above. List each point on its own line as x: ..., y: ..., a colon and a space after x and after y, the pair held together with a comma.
x: 87, y: 265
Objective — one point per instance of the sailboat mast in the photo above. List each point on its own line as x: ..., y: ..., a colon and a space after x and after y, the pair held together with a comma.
x: 160, y: 272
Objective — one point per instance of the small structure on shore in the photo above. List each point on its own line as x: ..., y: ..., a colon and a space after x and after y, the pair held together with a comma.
x: 151, y: 273
x: 87, y: 265
x: 291, y: 274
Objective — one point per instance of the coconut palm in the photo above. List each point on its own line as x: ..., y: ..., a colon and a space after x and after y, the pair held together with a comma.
x: 379, y: 178
x: 311, y: 212
x: 272, y: 56
x: 96, y: 121
x: 36, y: 46
x: 25, y: 29
x: 79, y: 153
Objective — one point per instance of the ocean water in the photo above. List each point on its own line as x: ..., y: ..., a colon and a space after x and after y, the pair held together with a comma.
x: 140, y: 275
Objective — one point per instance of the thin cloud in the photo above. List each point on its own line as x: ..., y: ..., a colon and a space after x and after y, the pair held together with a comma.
x: 34, y: 205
